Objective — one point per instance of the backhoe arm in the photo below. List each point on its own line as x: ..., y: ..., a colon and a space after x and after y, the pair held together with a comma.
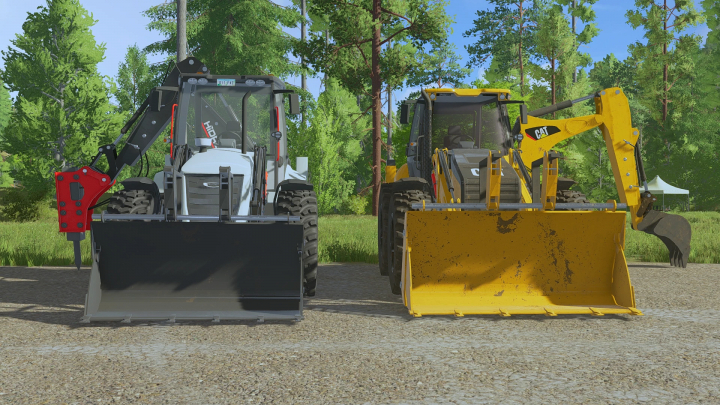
x: 78, y: 190
x: 612, y: 116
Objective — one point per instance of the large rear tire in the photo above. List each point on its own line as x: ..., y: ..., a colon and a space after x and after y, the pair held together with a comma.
x: 303, y: 203
x: 402, y: 201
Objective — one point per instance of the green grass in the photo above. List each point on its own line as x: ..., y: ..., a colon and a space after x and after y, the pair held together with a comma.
x: 343, y: 238
x: 348, y: 238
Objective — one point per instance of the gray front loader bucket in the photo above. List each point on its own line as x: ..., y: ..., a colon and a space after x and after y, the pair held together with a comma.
x: 195, y: 271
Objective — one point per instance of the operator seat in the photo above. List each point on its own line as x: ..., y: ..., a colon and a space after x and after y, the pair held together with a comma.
x: 452, y: 140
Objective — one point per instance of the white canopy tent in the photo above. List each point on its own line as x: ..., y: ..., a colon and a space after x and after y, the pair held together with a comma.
x: 658, y: 186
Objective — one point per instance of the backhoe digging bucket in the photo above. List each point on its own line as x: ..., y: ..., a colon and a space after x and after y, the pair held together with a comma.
x: 516, y: 262
x: 673, y: 230
x: 195, y: 271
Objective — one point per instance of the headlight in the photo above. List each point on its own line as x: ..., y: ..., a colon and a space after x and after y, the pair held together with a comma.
x: 250, y: 82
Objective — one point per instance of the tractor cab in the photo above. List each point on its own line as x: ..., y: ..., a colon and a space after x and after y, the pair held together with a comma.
x: 456, y: 119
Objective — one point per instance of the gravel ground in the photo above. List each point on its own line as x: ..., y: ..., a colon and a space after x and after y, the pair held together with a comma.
x: 358, y: 345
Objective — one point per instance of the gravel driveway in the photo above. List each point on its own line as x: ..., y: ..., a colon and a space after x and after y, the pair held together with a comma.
x: 358, y: 345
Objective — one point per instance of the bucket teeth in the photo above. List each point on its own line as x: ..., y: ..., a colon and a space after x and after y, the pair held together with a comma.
x: 549, y: 312
x: 596, y: 312
x: 504, y: 313
x: 459, y: 313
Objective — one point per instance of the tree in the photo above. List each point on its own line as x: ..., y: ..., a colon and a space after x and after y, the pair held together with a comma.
x: 360, y: 29
x: 62, y: 110
x: 439, y: 67
x: 134, y: 81
x: 555, y: 43
x: 332, y: 144
x: 581, y: 9
x: 506, y: 34
x: 660, y: 65
x: 243, y: 37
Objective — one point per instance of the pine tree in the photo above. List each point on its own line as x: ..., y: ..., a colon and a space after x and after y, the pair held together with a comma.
x: 357, y: 59
x: 243, y: 37
x: 439, y: 67
x: 507, y: 35
x: 62, y: 109
x: 667, y: 55
x: 134, y: 81
x: 555, y: 44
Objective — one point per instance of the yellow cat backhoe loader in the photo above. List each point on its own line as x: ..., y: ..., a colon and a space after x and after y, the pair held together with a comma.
x: 472, y: 225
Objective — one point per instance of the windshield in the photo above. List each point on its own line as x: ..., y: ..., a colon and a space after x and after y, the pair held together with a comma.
x: 216, y: 113
x: 469, y: 125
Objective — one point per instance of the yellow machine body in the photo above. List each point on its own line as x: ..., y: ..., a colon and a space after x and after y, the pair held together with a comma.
x: 516, y: 262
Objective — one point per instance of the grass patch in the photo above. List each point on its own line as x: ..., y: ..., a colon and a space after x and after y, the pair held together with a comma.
x: 343, y: 238
x: 347, y: 238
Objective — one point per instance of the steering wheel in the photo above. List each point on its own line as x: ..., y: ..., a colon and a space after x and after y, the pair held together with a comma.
x: 455, y: 139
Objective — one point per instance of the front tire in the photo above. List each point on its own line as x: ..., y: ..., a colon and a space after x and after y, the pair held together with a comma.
x: 402, y: 202
x: 131, y: 201
x: 303, y: 203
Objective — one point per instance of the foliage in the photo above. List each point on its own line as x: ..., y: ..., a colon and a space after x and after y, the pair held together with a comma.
x: 135, y: 80
x: 20, y: 205
x: 331, y: 143
x: 666, y: 57
x: 507, y: 35
x: 62, y: 109
x: 556, y: 45
x: 242, y: 37
x: 408, y: 24
x: 5, y: 111
x: 440, y: 67
x: 5, y: 107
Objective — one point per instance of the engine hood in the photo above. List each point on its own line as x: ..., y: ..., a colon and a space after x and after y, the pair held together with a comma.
x: 209, y: 162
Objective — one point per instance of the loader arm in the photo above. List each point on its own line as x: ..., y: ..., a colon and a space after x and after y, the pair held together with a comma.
x: 614, y: 120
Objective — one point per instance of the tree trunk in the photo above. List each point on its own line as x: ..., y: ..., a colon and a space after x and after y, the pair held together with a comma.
x: 665, y: 67
x: 574, y: 5
x: 327, y: 42
x: 181, y: 30
x: 552, y: 81
x: 303, y: 10
x: 389, y: 124
x: 376, y: 109
x: 522, y: 72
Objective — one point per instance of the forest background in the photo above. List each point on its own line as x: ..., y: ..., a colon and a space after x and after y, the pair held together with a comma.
x: 56, y: 106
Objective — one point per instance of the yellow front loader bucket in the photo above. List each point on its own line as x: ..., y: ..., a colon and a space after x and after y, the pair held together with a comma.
x: 516, y: 262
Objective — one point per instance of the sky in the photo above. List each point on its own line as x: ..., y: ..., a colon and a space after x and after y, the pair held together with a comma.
x: 121, y: 24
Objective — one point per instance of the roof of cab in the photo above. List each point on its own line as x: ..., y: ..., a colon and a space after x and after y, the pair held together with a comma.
x: 468, y: 92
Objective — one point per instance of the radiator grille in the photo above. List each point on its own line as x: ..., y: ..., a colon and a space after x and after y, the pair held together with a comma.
x: 203, y: 193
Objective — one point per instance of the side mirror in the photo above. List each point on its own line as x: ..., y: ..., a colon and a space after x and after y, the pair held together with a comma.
x: 294, y: 104
x: 277, y: 135
x: 523, y: 114
x: 404, y: 113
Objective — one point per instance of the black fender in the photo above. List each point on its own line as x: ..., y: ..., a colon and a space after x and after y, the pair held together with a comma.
x: 294, y: 184
x: 408, y: 183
